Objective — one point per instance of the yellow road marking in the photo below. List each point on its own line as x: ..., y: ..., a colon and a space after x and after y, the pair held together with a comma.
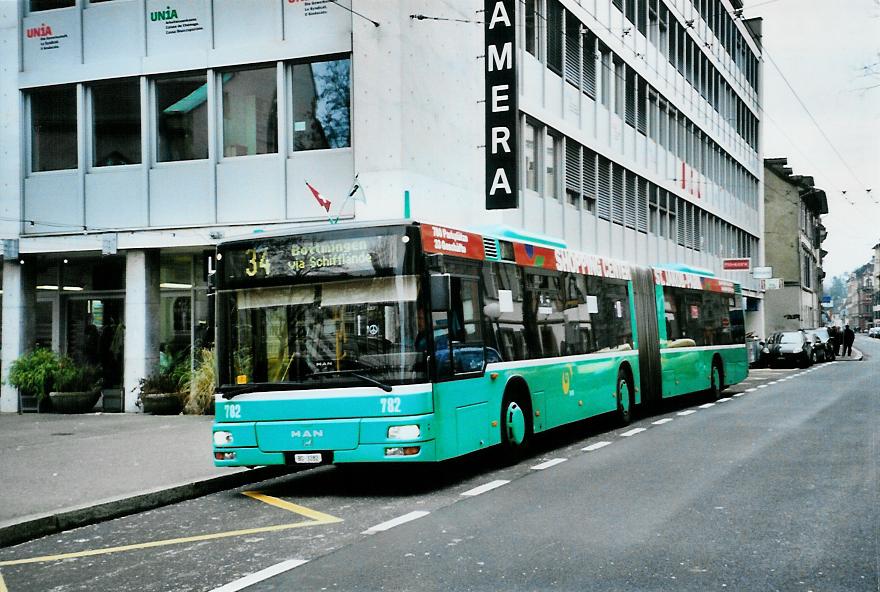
x: 315, y: 518
x: 319, y: 517
x: 2, y: 584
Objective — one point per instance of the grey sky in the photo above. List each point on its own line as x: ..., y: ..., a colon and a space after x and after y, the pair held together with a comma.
x: 822, y: 47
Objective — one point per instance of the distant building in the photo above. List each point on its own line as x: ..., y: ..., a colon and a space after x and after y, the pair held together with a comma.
x: 875, y: 308
x: 793, y: 234
x: 859, y: 298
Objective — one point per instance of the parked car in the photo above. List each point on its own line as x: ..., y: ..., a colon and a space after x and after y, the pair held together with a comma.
x: 790, y: 348
x: 874, y: 332
x: 823, y: 346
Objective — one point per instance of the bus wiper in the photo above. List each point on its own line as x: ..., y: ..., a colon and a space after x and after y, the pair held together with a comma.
x: 231, y: 392
x: 354, y: 373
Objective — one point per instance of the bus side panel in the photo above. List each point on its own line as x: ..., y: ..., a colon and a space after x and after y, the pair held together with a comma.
x: 685, y: 370
x: 736, y: 364
x: 463, y: 412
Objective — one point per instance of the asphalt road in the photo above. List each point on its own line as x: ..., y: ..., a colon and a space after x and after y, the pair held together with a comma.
x: 775, y: 488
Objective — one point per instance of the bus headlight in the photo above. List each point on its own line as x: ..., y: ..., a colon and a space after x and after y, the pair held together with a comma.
x: 222, y: 438
x: 404, y: 432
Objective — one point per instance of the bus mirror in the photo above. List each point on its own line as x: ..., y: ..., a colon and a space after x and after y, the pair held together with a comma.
x: 440, y: 292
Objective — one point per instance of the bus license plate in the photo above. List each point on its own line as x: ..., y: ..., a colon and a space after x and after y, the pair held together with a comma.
x: 307, y: 459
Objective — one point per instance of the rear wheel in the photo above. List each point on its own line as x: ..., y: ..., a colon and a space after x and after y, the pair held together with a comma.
x: 625, y: 398
x: 716, y: 381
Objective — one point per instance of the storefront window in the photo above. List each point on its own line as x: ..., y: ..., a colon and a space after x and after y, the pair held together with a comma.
x: 37, y: 5
x: 250, y: 112
x: 116, y: 112
x: 53, y: 128
x: 183, y: 316
x: 182, y: 117
x: 321, y: 104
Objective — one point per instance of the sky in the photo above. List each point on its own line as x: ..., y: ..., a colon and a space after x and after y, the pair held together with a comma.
x: 829, y: 52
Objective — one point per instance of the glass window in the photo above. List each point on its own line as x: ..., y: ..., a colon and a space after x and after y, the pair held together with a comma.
x: 250, y: 112
x: 531, y: 153
x: 37, y: 5
x: 182, y: 117
x: 116, y: 112
x: 321, y: 105
x: 53, y: 129
x: 551, y: 150
x: 532, y: 27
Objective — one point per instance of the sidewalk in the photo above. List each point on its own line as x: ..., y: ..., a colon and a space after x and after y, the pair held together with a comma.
x: 62, y: 471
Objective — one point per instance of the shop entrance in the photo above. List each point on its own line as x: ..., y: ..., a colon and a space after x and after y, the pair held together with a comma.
x: 96, y: 335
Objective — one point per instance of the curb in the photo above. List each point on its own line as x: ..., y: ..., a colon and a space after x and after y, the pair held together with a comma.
x: 53, y: 523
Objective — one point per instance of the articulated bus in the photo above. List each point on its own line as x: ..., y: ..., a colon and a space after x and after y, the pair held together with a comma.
x: 405, y: 341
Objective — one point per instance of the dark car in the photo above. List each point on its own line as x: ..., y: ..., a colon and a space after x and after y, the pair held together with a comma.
x: 790, y: 348
x: 823, y: 345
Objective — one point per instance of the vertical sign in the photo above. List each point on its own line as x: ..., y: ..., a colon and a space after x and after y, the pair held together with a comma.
x: 502, y: 111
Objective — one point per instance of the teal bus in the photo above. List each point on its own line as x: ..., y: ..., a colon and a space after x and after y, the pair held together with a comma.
x: 407, y: 341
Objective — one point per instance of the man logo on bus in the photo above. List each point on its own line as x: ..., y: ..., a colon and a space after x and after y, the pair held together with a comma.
x: 566, y: 380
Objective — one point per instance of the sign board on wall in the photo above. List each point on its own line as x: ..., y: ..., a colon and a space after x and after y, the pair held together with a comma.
x: 772, y: 284
x: 502, y: 110
x: 175, y: 26
x: 762, y: 273
x: 740, y: 264
x: 52, y: 39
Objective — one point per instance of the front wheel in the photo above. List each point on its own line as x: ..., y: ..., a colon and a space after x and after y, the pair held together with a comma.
x: 516, y: 425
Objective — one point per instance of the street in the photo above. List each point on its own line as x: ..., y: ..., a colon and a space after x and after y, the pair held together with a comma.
x: 774, y: 487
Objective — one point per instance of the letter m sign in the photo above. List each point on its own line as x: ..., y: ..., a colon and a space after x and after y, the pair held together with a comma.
x: 502, y: 111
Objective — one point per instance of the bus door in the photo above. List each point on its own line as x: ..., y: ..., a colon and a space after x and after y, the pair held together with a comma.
x: 457, y: 326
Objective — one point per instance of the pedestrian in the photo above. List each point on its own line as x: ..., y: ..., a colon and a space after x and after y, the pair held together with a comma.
x: 834, y: 332
x: 848, y: 337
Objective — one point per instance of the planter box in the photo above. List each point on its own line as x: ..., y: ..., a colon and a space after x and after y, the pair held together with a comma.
x: 74, y: 402
x: 162, y: 403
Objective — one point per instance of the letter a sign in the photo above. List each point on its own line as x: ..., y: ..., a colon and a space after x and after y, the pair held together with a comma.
x: 502, y: 112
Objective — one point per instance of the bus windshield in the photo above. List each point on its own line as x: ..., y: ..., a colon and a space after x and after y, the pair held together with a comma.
x: 341, y: 333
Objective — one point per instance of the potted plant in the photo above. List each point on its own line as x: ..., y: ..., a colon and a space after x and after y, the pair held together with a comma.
x: 160, y: 394
x: 32, y: 374
x: 200, y: 385
x: 76, y: 387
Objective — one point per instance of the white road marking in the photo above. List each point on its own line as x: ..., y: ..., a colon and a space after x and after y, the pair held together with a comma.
x: 595, y: 446
x: 762, y: 386
x: 707, y: 405
x: 484, y: 488
x: 550, y: 463
x: 751, y: 390
x: 774, y: 382
x: 738, y: 394
x: 724, y: 400
x: 662, y: 421
x: 263, y: 574
x: 688, y: 412
x: 633, y: 432
x: 396, y: 522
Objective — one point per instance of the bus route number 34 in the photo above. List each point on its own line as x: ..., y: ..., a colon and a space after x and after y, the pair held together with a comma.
x: 257, y: 260
x: 390, y: 404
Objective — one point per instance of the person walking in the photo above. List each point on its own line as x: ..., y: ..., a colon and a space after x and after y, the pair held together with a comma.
x: 836, y: 338
x: 848, y: 337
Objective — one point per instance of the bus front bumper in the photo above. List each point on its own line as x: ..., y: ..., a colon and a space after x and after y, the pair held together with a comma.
x: 401, y: 439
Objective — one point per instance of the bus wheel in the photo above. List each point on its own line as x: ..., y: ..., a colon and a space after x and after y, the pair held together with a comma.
x: 716, y: 381
x: 515, y: 425
x: 625, y: 399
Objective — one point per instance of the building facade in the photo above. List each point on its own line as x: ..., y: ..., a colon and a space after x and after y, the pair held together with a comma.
x: 875, y: 300
x: 860, y: 297
x: 138, y: 133
x: 793, y: 209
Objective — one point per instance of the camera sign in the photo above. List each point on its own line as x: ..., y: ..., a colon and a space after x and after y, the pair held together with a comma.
x: 502, y: 111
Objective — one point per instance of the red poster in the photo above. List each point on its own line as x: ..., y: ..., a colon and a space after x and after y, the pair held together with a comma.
x: 439, y: 239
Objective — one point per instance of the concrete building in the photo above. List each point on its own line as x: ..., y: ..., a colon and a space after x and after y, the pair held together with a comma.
x: 138, y: 133
x: 875, y: 301
x: 860, y: 297
x: 793, y: 208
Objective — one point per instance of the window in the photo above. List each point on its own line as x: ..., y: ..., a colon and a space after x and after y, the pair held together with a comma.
x: 53, y: 129
x: 551, y: 151
x: 532, y: 27
x: 250, y: 112
x: 321, y: 105
x: 605, y: 75
x: 619, y: 69
x: 531, y: 155
x: 554, y: 36
x: 37, y: 5
x: 182, y: 117
x: 116, y: 113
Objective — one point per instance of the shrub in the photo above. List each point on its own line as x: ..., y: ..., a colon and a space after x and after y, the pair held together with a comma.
x: 34, y: 373
x: 73, y: 377
x: 201, y: 384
